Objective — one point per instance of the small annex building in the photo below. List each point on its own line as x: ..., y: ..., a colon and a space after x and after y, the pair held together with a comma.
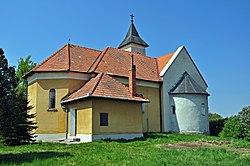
x: 115, y: 93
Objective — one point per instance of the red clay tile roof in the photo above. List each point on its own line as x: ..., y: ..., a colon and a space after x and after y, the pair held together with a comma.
x: 104, y: 86
x: 118, y: 62
x: 110, y: 60
x: 163, y: 60
x: 70, y: 57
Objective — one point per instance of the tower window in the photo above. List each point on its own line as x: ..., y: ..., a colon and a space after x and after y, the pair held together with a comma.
x: 52, y: 98
x: 173, y: 109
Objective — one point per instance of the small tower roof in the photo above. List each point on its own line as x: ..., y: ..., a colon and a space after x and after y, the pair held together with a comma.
x: 133, y: 37
x: 187, y: 85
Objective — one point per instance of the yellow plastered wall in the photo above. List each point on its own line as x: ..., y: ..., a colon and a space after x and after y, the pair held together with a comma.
x: 50, y: 122
x: 123, y: 116
x: 151, y: 116
x: 32, y: 95
x: 84, y: 116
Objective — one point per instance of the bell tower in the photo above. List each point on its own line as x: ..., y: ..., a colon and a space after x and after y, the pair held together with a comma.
x: 132, y: 41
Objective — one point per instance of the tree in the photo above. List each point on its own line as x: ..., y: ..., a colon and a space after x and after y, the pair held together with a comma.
x: 214, y: 116
x: 15, y: 125
x: 24, y: 66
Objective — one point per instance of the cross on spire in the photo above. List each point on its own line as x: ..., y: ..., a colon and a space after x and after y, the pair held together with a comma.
x: 132, y: 17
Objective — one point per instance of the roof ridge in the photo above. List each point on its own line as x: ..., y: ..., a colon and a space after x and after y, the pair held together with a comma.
x: 97, y: 83
x: 49, y: 58
x: 157, y: 68
x: 98, y: 60
x: 69, y: 55
x: 86, y: 47
x: 147, y: 56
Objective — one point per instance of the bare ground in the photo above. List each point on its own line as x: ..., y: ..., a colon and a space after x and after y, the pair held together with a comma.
x: 203, y: 143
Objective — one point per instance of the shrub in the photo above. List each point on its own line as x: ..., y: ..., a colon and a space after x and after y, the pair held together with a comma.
x: 232, y: 128
x: 244, y: 117
x: 238, y: 126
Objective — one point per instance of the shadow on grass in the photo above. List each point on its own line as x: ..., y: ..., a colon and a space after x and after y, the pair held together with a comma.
x: 20, y: 158
x: 144, y: 138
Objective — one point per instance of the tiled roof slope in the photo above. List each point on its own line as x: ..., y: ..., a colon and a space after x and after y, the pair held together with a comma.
x: 187, y: 85
x: 103, y: 86
x: 69, y: 57
x: 163, y: 60
x: 118, y: 62
x: 110, y: 60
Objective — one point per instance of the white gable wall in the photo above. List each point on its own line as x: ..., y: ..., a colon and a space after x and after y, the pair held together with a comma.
x: 180, y: 63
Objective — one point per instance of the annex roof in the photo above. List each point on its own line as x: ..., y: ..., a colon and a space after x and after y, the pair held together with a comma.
x: 70, y: 58
x: 133, y: 37
x: 187, y: 85
x: 103, y: 86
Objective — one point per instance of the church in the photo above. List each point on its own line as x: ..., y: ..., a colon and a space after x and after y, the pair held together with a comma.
x: 86, y: 94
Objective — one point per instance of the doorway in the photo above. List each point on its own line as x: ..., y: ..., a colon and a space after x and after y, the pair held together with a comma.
x: 73, y: 117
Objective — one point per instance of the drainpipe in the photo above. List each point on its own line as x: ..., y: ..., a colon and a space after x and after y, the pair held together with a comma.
x: 160, y: 107
x: 66, y: 123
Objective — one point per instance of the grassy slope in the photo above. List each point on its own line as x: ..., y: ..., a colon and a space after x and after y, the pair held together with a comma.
x: 141, y: 152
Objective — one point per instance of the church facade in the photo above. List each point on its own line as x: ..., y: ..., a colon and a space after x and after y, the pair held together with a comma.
x: 87, y: 94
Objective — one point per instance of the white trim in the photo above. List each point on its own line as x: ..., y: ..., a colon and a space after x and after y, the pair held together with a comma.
x: 116, y: 136
x: 87, y: 137
x: 138, y: 82
x: 171, y: 61
x: 83, y: 137
x: 50, y: 137
x: 58, y: 75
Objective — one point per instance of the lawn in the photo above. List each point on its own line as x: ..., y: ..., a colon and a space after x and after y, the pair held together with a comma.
x: 154, y: 149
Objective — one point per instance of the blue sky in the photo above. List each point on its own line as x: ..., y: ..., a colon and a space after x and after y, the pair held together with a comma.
x: 216, y: 33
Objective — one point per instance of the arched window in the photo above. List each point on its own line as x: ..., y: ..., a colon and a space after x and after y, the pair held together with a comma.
x: 52, y: 98
x: 203, y: 109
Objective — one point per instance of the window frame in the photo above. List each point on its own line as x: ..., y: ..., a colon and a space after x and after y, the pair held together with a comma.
x: 52, y: 98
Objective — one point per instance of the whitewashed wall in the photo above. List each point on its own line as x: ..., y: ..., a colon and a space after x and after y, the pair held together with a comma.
x: 188, y: 113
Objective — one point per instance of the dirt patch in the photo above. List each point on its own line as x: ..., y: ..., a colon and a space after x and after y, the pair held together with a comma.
x: 202, y: 143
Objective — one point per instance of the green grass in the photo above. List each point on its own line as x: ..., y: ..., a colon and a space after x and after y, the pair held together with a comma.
x: 146, y: 151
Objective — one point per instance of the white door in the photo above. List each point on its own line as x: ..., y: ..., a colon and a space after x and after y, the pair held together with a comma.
x: 73, y: 122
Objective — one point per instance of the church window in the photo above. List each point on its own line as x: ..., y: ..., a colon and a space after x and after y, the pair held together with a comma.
x: 52, y: 98
x: 103, y: 119
x: 203, y: 109
x: 173, y: 109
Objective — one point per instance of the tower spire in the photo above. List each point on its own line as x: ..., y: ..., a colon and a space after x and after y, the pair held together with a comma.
x: 132, y: 41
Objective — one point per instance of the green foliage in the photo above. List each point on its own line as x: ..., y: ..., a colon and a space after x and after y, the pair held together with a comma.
x: 15, y: 124
x: 245, y: 121
x: 24, y: 66
x: 216, y: 123
x: 238, y: 126
x: 232, y: 128
x: 145, y: 152
x: 214, y: 116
